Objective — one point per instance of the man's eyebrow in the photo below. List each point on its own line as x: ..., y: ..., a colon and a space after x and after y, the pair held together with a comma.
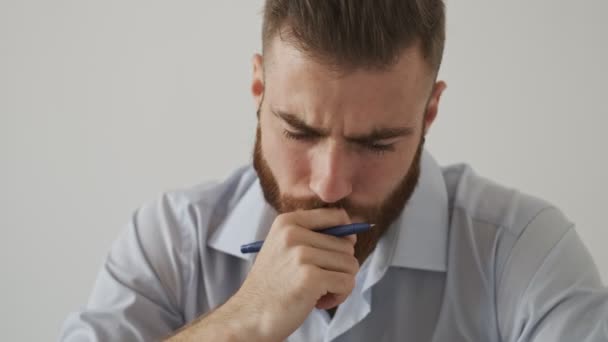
x: 382, y: 134
x: 298, y: 124
x: 374, y: 135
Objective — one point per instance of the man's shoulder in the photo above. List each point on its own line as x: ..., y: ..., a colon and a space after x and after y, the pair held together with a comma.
x: 504, y: 208
x: 226, y: 192
x: 215, y: 195
x: 202, y: 204
x: 511, y: 232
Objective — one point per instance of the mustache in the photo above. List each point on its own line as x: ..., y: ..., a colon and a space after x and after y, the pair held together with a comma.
x: 289, y: 203
x: 315, y: 203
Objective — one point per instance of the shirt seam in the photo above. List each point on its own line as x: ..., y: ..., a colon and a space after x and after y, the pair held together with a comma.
x: 504, y: 229
x: 544, y: 259
x: 541, y: 264
x: 518, y: 236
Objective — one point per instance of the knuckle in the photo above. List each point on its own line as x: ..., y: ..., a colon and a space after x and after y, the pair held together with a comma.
x: 354, y: 265
x: 349, y: 264
x: 281, y: 220
x: 290, y: 236
x: 345, y: 216
x: 300, y: 254
x: 347, y: 283
x: 350, y: 283
x: 307, y: 275
x: 349, y: 247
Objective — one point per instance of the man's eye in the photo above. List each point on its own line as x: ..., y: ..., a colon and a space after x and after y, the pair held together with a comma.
x: 298, y: 135
x: 380, y: 148
x: 372, y: 146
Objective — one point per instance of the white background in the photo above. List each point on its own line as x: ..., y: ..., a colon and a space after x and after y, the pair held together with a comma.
x: 105, y: 104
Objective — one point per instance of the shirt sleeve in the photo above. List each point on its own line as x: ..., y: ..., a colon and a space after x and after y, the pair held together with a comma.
x: 555, y: 292
x: 139, y: 290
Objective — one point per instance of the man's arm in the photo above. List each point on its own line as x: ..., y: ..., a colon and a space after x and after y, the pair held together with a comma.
x: 296, y: 270
x: 219, y: 325
x: 559, y: 295
x: 138, y: 291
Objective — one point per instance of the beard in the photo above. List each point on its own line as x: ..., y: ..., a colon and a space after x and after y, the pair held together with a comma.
x: 381, y: 214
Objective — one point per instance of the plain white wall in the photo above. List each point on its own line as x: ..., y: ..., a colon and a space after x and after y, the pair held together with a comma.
x: 104, y: 104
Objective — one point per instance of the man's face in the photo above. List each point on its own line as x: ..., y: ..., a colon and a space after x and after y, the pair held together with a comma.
x: 350, y: 140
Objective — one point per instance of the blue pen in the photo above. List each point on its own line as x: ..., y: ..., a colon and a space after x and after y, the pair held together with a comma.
x: 344, y: 230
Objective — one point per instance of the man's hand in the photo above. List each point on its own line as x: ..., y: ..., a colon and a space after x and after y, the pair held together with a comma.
x: 296, y: 270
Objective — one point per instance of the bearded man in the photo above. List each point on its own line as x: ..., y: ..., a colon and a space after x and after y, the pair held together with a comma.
x: 345, y: 93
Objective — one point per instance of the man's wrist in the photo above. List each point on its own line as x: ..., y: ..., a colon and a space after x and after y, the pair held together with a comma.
x: 225, y: 324
x: 243, y: 322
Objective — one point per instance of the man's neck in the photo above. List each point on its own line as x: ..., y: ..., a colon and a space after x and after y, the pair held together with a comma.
x: 332, y: 312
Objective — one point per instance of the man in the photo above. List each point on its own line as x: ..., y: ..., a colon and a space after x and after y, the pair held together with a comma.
x: 346, y: 92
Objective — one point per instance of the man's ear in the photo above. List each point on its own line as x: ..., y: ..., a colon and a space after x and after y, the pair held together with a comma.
x: 433, y: 105
x: 257, y: 82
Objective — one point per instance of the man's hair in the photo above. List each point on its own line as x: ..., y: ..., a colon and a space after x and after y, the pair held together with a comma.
x: 351, y: 34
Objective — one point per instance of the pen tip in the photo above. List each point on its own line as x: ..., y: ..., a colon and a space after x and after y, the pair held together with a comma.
x: 372, y: 225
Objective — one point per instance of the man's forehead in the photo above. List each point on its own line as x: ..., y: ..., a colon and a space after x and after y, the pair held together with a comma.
x: 347, y: 110
x: 302, y: 86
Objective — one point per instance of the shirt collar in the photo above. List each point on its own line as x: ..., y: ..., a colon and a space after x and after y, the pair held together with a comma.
x: 248, y: 221
x: 420, y: 230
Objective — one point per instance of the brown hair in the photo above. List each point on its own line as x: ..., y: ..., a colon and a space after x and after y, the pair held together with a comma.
x: 358, y: 33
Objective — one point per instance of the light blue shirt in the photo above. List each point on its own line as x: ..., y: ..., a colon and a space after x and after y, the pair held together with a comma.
x: 467, y: 260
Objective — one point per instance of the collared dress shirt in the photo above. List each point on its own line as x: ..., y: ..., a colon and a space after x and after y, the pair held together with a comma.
x: 467, y: 260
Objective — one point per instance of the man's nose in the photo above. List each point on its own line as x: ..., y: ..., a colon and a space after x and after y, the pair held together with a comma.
x: 331, y: 173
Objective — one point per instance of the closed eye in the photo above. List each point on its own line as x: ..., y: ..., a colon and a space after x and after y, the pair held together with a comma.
x: 300, y: 135
x: 374, y: 147
x: 379, y: 148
